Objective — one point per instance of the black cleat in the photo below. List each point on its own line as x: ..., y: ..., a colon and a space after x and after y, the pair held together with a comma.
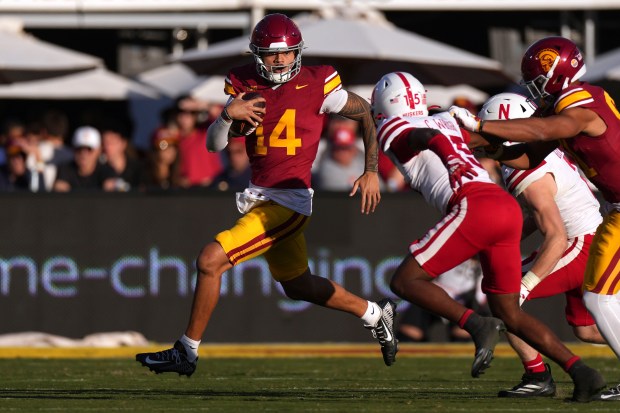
x: 172, y: 360
x: 610, y: 395
x: 384, y: 331
x: 485, y: 338
x: 533, y: 385
x: 588, y: 382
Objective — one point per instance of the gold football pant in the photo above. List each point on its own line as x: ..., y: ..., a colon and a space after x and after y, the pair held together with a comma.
x: 273, y: 231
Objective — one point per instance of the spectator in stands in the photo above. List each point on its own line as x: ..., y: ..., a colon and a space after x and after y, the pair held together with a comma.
x: 85, y: 173
x: 236, y: 174
x: 51, y: 150
x: 119, y: 155
x: 197, y: 166
x: 163, y: 160
x: 342, y: 163
x: 43, y: 142
x: 15, y: 176
x: 12, y: 131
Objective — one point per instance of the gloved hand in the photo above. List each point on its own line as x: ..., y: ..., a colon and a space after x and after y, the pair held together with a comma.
x: 457, y: 169
x: 528, y: 282
x: 465, y: 118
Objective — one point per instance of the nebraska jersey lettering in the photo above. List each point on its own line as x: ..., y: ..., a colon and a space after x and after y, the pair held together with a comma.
x: 597, y: 156
x: 284, y: 145
x: 424, y: 171
x: 578, y: 207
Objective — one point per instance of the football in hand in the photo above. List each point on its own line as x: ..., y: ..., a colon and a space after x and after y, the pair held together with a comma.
x: 243, y: 127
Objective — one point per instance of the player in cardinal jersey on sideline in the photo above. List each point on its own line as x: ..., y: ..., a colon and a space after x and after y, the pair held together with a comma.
x: 564, y: 210
x: 278, y: 202
x: 585, y: 122
x: 479, y: 217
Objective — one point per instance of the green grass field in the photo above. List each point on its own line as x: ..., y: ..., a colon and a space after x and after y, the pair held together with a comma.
x: 245, y: 383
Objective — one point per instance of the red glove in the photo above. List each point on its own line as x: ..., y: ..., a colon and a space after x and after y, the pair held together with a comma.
x: 457, y: 169
x: 454, y: 162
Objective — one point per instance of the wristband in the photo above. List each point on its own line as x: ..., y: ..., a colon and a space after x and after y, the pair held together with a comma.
x: 530, y: 280
x: 480, y: 125
x: 224, y: 115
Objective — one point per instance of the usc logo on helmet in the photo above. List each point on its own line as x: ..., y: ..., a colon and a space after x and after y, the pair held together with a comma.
x: 547, y: 58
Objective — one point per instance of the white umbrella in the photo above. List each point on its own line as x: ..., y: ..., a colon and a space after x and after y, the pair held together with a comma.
x: 362, y: 51
x: 605, y: 72
x: 24, y: 57
x: 211, y: 90
x: 605, y: 67
x: 96, y: 84
x: 172, y: 80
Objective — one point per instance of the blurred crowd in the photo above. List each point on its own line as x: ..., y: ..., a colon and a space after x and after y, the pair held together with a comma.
x: 45, y: 155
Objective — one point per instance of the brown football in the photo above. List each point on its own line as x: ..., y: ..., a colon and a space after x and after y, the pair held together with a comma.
x: 242, y: 127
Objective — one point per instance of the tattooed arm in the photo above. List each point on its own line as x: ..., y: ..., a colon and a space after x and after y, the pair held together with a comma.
x: 356, y: 108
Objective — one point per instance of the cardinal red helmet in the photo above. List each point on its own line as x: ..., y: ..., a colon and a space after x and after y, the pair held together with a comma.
x: 550, y: 65
x: 276, y: 33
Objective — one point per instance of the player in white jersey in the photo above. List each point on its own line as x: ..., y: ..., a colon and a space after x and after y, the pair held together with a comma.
x: 563, y: 208
x: 479, y: 218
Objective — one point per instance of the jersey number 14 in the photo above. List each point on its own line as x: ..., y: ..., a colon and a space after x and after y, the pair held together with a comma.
x: 282, y: 136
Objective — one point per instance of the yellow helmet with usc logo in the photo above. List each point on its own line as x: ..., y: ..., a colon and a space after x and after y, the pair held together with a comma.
x: 550, y: 65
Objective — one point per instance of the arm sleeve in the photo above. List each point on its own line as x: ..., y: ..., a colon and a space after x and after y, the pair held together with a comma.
x: 217, y: 135
x: 441, y: 145
x: 334, y: 102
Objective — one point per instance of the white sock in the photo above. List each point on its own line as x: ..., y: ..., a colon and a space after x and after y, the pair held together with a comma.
x: 191, y: 347
x: 372, y: 315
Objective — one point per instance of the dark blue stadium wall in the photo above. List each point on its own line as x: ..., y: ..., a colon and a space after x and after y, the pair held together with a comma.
x: 78, y: 264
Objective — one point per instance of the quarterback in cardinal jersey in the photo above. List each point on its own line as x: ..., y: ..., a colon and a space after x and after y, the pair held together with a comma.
x: 287, y: 120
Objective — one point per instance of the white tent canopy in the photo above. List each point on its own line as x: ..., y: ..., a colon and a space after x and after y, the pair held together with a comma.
x: 96, y: 84
x: 211, y: 90
x: 362, y: 49
x: 172, y: 80
x: 605, y: 67
x: 24, y: 57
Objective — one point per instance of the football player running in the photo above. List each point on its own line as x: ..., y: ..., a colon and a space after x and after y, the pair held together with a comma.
x: 564, y: 210
x: 585, y: 122
x: 278, y: 202
x: 479, y: 217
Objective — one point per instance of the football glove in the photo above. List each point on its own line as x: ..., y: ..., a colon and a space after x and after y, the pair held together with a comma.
x: 457, y: 169
x: 465, y: 118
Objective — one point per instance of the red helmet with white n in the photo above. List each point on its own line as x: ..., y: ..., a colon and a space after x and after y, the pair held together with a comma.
x: 507, y: 106
x: 550, y: 65
x: 276, y: 33
x: 398, y: 94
